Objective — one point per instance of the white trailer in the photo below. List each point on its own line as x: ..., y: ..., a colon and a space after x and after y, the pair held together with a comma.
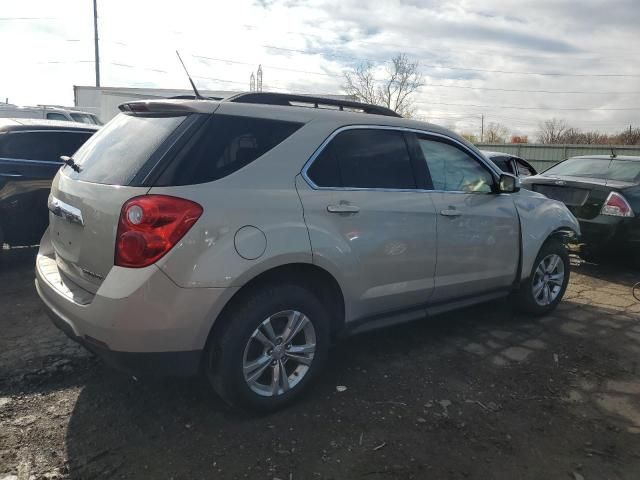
x: 49, y: 112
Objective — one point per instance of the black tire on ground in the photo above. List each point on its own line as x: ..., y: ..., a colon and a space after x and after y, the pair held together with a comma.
x: 224, y: 355
x: 525, y: 300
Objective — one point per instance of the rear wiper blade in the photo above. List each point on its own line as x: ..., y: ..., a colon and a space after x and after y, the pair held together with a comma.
x: 69, y: 161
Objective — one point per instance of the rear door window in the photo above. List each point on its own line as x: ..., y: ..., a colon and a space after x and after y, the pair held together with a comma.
x: 116, y: 153
x: 224, y: 145
x: 364, y: 158
x: 44, y: 146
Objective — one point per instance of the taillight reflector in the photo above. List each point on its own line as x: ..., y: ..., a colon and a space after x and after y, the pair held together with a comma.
x: 150, y: 226
x: 617, y: 206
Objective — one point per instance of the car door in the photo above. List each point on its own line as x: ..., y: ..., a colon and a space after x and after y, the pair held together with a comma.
x: 28, y: 162
x: 478, y: 230
x: 369, y: 220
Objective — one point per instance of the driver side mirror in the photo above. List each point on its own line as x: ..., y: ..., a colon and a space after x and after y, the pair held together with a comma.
x: 508, y: 183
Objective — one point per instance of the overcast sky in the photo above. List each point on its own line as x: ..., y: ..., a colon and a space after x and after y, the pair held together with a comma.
x: 472, y: 54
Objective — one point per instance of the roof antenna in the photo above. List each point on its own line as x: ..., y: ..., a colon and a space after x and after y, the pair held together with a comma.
x: 193, y: 85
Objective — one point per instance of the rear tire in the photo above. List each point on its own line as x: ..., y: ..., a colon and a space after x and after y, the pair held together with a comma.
x: 543, y: 290
x: 270, y: 347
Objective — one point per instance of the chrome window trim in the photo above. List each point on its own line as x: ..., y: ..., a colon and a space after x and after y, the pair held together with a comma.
x: 56, y: 130
x: 323, y: 145
x: 39, y: 162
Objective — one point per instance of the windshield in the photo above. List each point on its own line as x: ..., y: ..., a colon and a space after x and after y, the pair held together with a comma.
x: 84, y: 118
x: 603, y: 168
x: 118, y: 151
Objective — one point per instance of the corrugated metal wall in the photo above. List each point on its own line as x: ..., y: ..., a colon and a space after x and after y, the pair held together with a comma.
x: 544, y: 156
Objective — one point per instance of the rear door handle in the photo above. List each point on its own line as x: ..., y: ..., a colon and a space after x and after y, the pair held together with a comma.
x: 450, y: 212
x: 343, y: 208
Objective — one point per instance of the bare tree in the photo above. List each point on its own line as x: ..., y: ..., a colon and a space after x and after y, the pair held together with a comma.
x: 552, y: 131
x: 495, y: 133
x: 401, y: 80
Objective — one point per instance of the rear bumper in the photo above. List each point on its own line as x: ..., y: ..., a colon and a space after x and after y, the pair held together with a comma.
x: 605, y: 230
x: 138, y: 320
x: 147, y: 363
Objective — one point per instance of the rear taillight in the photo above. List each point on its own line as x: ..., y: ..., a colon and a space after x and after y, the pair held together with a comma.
x: 617, y: 206
x: 150, y: 226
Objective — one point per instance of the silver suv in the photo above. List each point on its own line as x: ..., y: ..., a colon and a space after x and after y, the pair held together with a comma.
x: 239, y: 238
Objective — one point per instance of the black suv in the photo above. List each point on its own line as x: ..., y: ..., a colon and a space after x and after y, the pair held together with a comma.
x: 30, y: 153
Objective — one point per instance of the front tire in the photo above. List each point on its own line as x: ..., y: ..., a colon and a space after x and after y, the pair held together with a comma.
x: 543, y: 290
x: 271, y: 347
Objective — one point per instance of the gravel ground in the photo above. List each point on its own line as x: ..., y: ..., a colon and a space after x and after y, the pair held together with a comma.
x: 483, y: 393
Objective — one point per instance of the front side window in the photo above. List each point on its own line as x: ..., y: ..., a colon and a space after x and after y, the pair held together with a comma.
x: 454, y: 170
x: 43, y: 146
x: 364, y: 158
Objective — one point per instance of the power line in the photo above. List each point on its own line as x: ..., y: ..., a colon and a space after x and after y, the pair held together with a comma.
x: 485, y: 70
x: 439, y: 85
x: 517, y: 107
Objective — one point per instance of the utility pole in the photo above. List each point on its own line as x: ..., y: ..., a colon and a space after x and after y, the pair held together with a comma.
x: 482, y: 128
x: 95, y: 40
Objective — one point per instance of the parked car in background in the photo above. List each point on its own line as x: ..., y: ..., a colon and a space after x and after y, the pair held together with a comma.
x: 237, y: 238
x: 603, y: 192
x: 511, y: 164
x: 48, y: 112
x: 30, y: 153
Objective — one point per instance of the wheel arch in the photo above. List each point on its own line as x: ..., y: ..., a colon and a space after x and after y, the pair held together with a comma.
x: 316, y: 279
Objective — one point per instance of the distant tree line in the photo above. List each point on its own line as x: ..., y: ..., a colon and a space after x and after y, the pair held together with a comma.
x: 556, y: 131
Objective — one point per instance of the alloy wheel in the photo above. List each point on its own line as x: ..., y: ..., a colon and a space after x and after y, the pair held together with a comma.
x: 548, y: 279
x: 279, y: 353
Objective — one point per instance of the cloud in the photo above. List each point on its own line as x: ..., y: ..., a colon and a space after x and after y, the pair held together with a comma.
x: 307, y: 46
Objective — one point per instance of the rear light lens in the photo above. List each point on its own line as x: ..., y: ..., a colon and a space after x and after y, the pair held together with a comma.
x: 150, y: 226
x: 617, y: 206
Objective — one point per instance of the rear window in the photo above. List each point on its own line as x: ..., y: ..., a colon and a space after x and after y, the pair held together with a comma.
x: 44, y: 146
x: 118, y: 151
x: 602, y: 168
x: 224, y: 145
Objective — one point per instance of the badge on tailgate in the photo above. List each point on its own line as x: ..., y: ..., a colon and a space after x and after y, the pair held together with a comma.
x: 64, y: 210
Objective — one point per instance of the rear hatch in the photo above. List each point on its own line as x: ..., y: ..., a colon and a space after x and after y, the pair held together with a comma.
x: 584, y: 197
x: 86, y: 198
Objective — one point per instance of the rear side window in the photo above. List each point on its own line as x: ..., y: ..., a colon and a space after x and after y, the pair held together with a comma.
x: 57, y: 116
x: 118, y: 150
x: 524, y: 170
x: 504, y: 164
x: 226, y: 144
x: 45, y: 146
x: 364, y: 158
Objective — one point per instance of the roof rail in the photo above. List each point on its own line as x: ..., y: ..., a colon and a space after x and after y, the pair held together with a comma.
x: 192, y: 97
x: 286, y: 99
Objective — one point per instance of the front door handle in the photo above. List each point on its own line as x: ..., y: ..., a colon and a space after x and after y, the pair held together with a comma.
x: 450, y: 212
x: 343, y: 208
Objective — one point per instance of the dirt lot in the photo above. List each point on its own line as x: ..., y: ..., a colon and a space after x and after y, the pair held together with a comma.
x: 481, y: 393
